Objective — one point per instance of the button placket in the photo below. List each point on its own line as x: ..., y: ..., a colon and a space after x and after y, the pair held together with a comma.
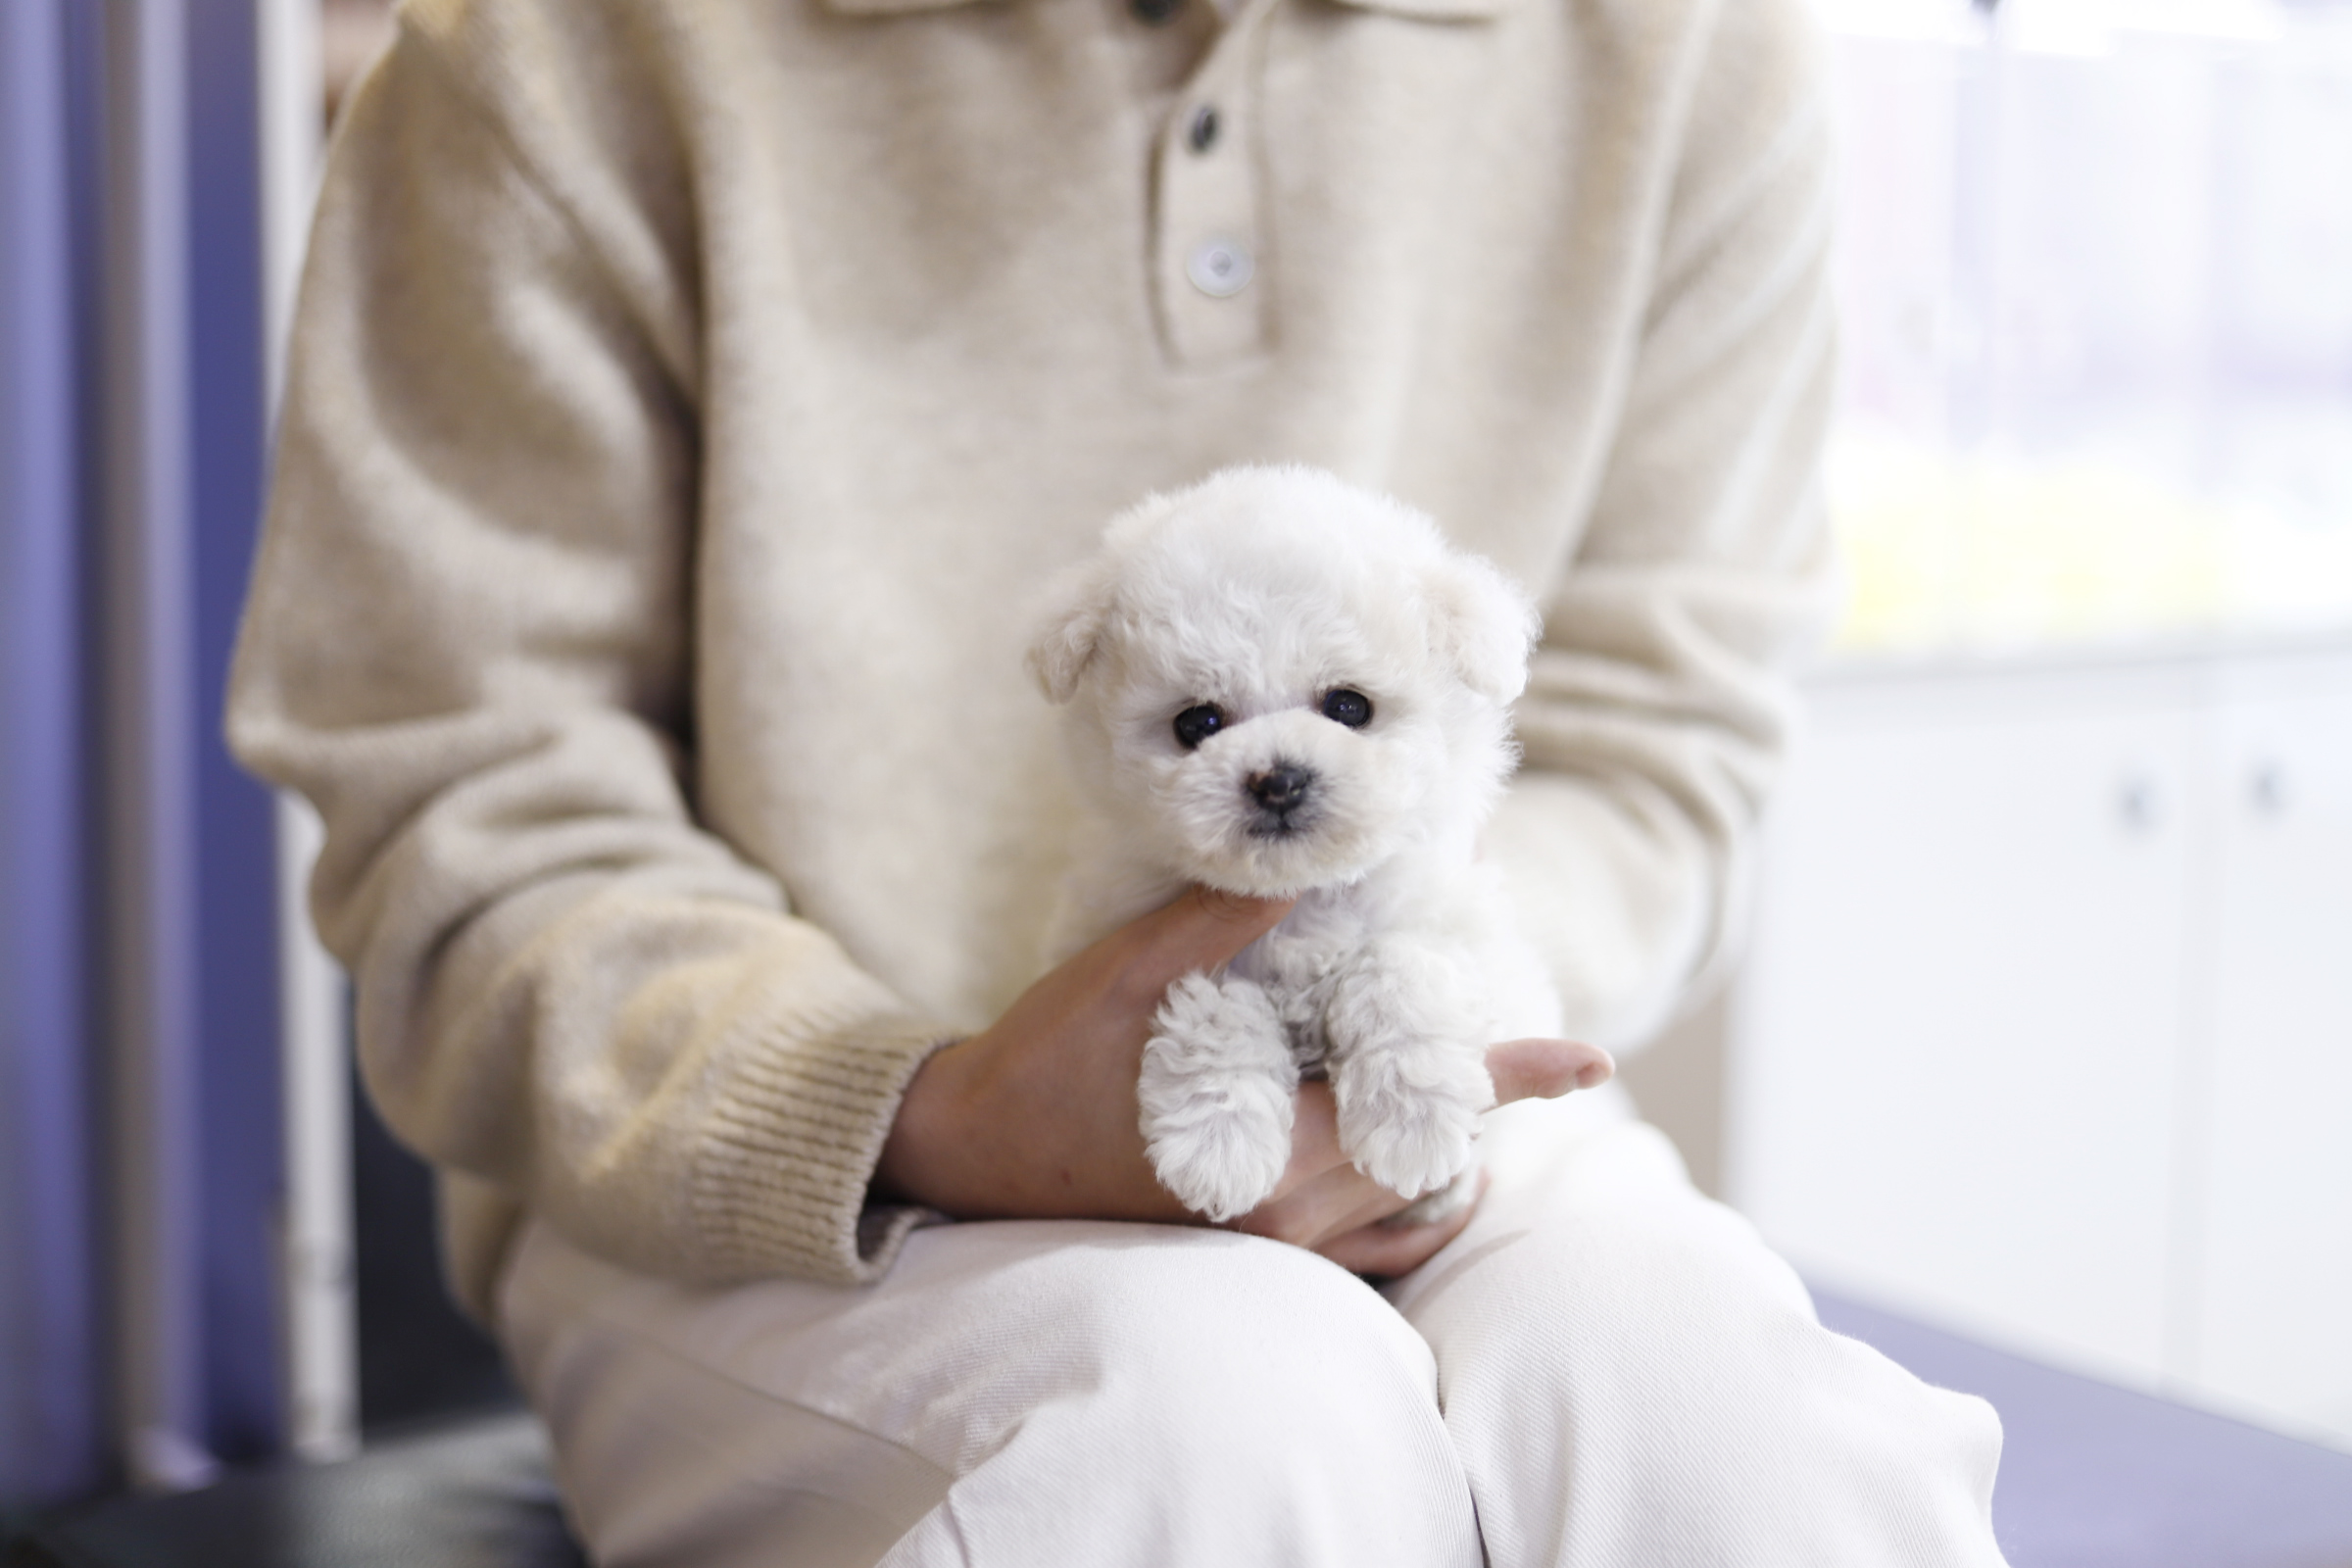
x: 1210, y: 268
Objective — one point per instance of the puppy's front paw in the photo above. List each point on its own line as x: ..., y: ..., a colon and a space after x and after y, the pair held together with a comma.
x: 1410, y: 1131
x: 1215, y: 1096
x: 1406, y: 1076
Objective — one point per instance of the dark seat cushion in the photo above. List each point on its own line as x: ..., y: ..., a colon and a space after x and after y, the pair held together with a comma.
x: 473, y: 1493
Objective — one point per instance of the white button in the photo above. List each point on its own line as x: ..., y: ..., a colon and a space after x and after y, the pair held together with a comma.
x: 1219, y: 268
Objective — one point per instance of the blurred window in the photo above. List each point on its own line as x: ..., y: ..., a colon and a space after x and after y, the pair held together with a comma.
x: 2096, y: 275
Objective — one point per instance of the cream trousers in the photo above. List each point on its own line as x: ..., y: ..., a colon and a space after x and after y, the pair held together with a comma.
x: 1605, y: 1368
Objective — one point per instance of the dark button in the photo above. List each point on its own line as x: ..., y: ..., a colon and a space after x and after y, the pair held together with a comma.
x: 1204, y: 131
x: 1155, y: 13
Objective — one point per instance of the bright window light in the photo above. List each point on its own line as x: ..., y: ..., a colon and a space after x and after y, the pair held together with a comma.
x: 2096, y: 275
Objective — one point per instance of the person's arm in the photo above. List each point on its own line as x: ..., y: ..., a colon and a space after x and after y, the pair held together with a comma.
x: 1658, y: 709
x: 468, y: 642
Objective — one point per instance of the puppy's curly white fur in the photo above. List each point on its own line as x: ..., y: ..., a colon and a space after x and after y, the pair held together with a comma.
x: 1280, y: 685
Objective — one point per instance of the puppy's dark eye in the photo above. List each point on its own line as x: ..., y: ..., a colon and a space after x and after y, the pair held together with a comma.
x: 1197, y: 725
x: 1343, y: 707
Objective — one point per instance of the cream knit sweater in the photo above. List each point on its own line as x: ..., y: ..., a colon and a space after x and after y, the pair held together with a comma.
x: 688, y: 394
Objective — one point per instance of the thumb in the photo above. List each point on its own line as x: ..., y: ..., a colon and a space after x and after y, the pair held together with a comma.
x: 1546, y: 1069
x: 1202, y: 929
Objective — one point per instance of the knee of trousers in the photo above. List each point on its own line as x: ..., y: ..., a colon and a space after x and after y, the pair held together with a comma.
x: 1673, y: 1361
x: 1245, y: 1401
x: 1242, y: 1399
x: 1069, y: 1392
x: 1191, y: 1350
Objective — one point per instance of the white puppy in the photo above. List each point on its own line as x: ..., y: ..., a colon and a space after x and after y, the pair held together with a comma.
x: 1277, y: 685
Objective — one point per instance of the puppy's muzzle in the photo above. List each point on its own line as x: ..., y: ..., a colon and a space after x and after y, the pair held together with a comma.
x: 1280, y: 790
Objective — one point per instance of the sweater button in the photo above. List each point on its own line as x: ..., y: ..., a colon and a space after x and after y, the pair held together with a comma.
x: 1155, y: 13
x: 1202, y: 133
x: 1219, y: 268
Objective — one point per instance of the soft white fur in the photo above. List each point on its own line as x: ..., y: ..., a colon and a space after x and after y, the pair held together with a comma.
x: 1261, y: 590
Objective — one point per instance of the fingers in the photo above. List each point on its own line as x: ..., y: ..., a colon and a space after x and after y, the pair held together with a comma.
x: 1313, y: 1211
x: 1198, y: 932
x: 1388, y: 1251
x: 1323, y: 1199
x: 1323, y: 1195
x: 1314, y: 1133
x: 1546, y: 1069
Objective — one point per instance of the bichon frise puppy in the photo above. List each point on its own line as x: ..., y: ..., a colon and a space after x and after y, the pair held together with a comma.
x: 1276, y: 684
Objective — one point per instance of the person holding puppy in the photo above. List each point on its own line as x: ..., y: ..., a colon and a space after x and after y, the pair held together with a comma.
x: 687, y: 402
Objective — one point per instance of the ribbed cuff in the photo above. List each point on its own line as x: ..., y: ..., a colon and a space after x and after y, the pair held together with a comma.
x: 780, y: 1187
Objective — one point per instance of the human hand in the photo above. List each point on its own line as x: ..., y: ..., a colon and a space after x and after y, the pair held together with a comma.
x: 1035, y: 1117
x: 1325, y: 1204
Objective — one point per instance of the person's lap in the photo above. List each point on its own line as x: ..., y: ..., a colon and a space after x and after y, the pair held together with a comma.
x: 1604, y: 1368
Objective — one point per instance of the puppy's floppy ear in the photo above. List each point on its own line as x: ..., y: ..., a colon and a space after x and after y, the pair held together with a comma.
x: 1482, y: 624
x: 1075, y: 607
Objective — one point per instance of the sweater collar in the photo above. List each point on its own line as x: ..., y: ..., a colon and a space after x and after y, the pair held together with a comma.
x: 1427, y: 10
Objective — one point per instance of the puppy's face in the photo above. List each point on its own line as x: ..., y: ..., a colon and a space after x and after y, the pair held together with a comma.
x: 1277, y: 682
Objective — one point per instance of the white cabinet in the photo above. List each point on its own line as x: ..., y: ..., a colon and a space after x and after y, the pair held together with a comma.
x: 2273, y: 1230
x: 2047, y: 1033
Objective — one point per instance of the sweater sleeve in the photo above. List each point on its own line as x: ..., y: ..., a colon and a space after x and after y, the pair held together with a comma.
x: 468, y: 644
x: 1657, y: 709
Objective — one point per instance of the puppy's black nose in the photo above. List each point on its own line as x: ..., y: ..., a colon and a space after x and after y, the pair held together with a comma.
x: 1280, y: 788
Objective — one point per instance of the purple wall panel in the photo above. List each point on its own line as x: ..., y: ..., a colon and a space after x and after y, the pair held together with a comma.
x: 168, y: 285
x: 237, y: 934
x: 52, y: 1390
